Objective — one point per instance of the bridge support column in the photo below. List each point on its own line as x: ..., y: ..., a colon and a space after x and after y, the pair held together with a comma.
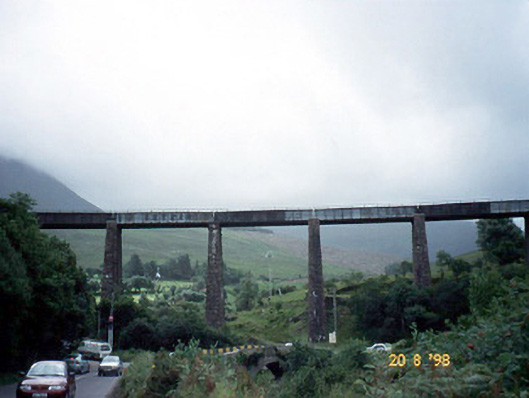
x: 526, y: 219
x: 316, y: 298
x: 215, y: 279
x: 421, y: 263
x: 112, y: 267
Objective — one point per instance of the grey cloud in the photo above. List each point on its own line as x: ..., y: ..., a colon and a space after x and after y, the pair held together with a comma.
x: 283, y: 104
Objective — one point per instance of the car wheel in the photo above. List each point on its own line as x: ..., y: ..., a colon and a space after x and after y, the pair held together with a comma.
x: 99, y: 374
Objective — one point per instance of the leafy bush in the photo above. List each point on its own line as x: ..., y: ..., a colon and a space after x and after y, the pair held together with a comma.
x: 195, y: 297
x: 484, y: 286
x: 311, y: 372
x: 351, y: 355
x: 515, y: 270
x: 134, y: 380
x: 302, y: 355
x: 139, y: 334
x: 186, y: 373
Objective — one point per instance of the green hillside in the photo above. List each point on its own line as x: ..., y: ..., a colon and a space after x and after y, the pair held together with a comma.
x: 240, y: 250
x: 471, y: 256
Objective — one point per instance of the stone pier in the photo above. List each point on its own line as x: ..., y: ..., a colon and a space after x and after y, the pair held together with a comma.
x: 112, y: 268
x: 421, y: 262
x: 316, y: 298
x: 215, y: 279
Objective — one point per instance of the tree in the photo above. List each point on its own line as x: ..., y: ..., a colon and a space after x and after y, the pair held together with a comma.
x: 139, y: 282
x: 140, y: 334
x: 501, y: 240
x: 406, y: 267
x: 184, y: 264
x: 125, y: 311
x: 392, y: 269
x: 14, y: 297
x: 178, y: 269
x: 150, y: 269
x: 248, y: 293
x: 134, y: 267
x: 401, y: 268
x: 41, y: 288
x: 456, y: 265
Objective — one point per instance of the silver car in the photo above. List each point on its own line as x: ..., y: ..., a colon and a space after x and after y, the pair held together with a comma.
x: 110, y: 365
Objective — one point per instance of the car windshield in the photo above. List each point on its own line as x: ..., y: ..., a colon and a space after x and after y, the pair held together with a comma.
x: 47, y: 369
x: 105, y: 347
x: 110, y: 360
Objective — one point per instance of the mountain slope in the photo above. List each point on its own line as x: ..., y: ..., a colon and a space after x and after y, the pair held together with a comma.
x: 50, y: 194
x: 364, y: 247
x: 455, y: 237
x: 244, y: 250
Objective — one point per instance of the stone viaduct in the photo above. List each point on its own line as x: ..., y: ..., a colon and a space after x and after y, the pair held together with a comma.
x: 418, y: 215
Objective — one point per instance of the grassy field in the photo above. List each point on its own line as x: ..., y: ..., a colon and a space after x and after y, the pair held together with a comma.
x: 162, y: 284
x: 239, y: 251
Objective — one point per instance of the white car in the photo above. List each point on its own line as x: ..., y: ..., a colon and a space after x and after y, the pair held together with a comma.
x: 110, y: 365
x: 377, y: 347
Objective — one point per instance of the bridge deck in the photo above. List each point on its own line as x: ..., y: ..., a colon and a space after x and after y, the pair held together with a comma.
x: 252, y: 218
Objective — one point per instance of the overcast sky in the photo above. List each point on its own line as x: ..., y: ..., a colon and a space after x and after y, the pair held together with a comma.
x: 252, y: 104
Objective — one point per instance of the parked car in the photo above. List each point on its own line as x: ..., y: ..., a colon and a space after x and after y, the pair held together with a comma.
x: 110, y: 365
x: 47, y: 379
x: 94, y: 349
x: 377, y: 347
x: 77, y: 363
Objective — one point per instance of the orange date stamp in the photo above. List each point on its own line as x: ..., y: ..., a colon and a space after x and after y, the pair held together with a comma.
x: 400, y: 360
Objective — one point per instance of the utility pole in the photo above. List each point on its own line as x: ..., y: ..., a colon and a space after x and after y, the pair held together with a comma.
x: 111, y: 324
x: 270, y: 281
x: 98, y: 323
x: 332, y: 336
x: 270, y: 287
x: 334, y: 310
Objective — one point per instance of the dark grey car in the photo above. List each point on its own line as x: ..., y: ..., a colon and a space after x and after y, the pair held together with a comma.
x: 77, y: 363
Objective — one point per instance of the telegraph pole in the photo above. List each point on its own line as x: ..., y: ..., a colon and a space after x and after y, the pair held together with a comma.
x: 98, y: 323
x: 334, y: 310
x: 111, y: 324
x: 270, y: 281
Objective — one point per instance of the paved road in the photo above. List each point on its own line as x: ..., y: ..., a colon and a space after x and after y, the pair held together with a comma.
x: 89, y: 385
x: 92, y: 386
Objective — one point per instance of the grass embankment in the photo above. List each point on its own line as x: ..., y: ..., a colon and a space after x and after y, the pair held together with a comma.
x: 471, y: 257
x: 282, y: 319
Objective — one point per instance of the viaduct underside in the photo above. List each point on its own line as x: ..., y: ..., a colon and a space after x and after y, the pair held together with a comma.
x: 114, y: 223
